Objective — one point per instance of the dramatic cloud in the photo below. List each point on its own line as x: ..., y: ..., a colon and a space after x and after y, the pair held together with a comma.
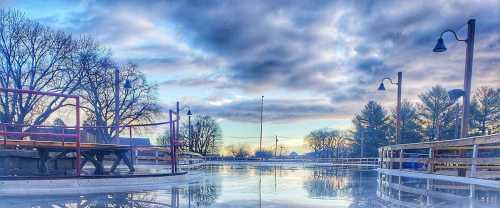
x: 274, y: 110
x: 333, y: 51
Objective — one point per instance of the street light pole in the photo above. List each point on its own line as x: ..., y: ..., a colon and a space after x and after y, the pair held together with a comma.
x: 189, y: 113
x: 468, y: 76
x: 117, y: 106
x: 398, y: 103
x: 469, y: 54
x: 362, y: 143
x: 398, y: 110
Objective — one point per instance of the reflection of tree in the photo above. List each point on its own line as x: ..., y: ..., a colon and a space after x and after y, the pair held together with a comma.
x: 206, y: 192
x: 266, y: 170
x: 364, y: 187
x: 203, y: 195
x: 328, y: 182
x: 125, y: 200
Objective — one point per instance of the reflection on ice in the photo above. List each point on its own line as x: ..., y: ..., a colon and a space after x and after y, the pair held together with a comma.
x: 401, y: 191
x: 284, y: 185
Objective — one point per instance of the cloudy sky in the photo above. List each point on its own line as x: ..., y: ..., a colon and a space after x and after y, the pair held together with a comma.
x: 316, y: 62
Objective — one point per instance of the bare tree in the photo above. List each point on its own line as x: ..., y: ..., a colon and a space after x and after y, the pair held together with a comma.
x: 34, y: 57
x: 318, y: 140
x: 239, y: 151
x: 328, y: 142
x: 205, y: 135
x: 340, y: 141
x: 138, y: 104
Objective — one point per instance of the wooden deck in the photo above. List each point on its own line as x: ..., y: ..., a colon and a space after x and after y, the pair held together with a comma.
x: 91, y: 153
x: 477, y: 157
x: 59, y: 145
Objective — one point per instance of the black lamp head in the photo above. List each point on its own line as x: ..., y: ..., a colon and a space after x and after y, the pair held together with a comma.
x: 440, y: 47
x: 381, y: 87
x: 189, y: 113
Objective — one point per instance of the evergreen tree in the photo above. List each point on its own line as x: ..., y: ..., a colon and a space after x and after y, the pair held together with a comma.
x: 485, y: 110
x: 371, y: 126
x: 411, y: 128
x: 437, y: 114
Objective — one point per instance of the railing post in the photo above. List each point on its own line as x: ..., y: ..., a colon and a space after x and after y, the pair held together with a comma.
x: 4, y: 136
x: 430, y: 162
x: 383, y: 159
x: 391, y: 152
x: 156, y: 157
x: 172, y: 154
x: 401, y: 156
x: 473, y: 168
x: 136, y: 153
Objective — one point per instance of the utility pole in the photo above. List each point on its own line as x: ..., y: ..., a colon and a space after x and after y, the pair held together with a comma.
x: 261, y: 116
x: 117, y: 106
x: 276, y: 146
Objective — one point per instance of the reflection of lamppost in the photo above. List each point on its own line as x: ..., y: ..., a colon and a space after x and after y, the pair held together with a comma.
x: 440, y: 47
x: 398, y: 106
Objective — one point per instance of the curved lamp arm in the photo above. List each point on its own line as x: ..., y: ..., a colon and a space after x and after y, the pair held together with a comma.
x: 184, y: 107
x: 454, y: 34
x: 390, y: 80
x: 188, y: 109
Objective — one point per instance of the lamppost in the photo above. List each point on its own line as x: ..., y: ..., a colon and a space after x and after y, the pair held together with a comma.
x: 127, y: 86
x: 189, y: 114
x: 117, y: 105
x: 398, y: 105
x: 440, y: 47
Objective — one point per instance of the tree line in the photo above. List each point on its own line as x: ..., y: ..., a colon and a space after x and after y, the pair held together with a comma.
x: 434, y: 117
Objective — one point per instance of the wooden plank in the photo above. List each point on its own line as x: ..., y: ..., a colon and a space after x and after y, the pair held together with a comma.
x: 59, y: 145
x: 488, y: 139
x: 480, y: 161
